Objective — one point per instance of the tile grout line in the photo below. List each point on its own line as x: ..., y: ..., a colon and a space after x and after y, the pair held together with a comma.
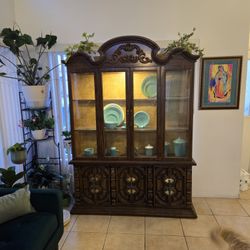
x: 65, y: 239
x: 228, y: 214
x: 243, y: 209
x: 106, y: 233
x: 68, y: 232
x: 210, y: 209
x: 184, y: 234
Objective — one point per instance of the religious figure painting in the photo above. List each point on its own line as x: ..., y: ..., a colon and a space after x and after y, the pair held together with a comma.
x: 220, y: 82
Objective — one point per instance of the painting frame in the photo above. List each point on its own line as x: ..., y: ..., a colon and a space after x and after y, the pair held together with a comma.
x: 220, y: 82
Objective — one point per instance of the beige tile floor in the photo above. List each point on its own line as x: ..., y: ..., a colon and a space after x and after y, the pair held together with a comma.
x: 96, y: 232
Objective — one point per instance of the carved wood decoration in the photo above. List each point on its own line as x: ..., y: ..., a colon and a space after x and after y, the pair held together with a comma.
x: 95, y: 185
x: 131, y: 185
x: 129, y: 53
x: 170, y: 188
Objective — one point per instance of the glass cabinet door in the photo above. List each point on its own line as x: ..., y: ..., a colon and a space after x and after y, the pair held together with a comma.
x: 145, y: 113
x: 177, y: 103
x: 114, y: 114
x: 84, y: 114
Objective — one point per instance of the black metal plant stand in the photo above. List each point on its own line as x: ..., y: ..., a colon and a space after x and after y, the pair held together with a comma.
x: 33, y: 157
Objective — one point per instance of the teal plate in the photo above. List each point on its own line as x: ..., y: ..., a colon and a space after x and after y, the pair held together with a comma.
x: 149, y: 86
x: 113, y: 113
x: 141, y: 119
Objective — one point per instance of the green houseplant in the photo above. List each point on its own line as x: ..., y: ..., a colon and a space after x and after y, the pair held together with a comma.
x: 9, y: 177
x: 85, y: 45
x: 29, y: 69
x: 66, y: 134
x: 38, y: 124
x: 184, y: 43
x: 17, y: 153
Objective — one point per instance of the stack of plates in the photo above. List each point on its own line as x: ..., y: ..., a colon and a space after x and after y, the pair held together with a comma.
x: 149, y: 86
x: 113, y: 113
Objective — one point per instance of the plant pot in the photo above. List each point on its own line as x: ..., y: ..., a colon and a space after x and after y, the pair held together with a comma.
x: 38, y: 134
x: 18, y: 157
x: 37, y: 96
x: 67, y: 143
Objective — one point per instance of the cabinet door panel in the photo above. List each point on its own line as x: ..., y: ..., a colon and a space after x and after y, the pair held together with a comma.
x: 145, y: 86
x: 84, y: 114
x: 94, y: 185
x: 131, y: 185
x: 177, y: 113
x: 170, y: 187
x: 115, y: 110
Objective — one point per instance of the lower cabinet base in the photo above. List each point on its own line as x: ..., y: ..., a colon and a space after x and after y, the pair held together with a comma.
x: 163, y: 190
x: 138, y: 211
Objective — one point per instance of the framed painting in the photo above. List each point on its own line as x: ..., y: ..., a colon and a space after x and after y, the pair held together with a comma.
x: 220, y: 82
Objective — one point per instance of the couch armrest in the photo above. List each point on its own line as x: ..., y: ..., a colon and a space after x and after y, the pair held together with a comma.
x: 48, y: 200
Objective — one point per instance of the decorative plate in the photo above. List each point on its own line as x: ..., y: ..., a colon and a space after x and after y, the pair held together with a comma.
x: 141, y: 119
x: 113, y: 113
x: 149, y: 86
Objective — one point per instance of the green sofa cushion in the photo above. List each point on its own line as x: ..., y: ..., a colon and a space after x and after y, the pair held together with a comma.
x: 28, y: 232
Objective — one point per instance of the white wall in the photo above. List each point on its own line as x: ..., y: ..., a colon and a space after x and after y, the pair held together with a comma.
x: 222, y: 28
x: 246, y: 144
x: 7, y: 15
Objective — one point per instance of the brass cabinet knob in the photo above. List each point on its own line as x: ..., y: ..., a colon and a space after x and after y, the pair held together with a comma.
x: 169, y: 192
x: 94, y: 178
x: 169, y: 180
x: 95, y: 190
x: 131, y: 190
x: 131, y: 179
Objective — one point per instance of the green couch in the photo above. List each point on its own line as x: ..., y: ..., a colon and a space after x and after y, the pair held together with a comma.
x: 36, y: 231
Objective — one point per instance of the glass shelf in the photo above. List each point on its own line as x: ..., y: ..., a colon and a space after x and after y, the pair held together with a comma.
x: 176, y: 128
x: 177, y: 98
x: 144, y: 130
x: 115, y: 130
x: 85, y: 129
x: 153, y: 100
x: 83, y: 100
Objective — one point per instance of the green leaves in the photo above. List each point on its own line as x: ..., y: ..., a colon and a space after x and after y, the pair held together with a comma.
x: 184, y: 43
x: 28, y: 68
x: 48, y: 41
x: 16, y: 147
x: 9, y: 176
x: 83, y: 46
x: 39, y: 120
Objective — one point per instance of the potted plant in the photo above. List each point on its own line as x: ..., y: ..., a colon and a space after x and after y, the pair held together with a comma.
x: 18, y: 153
x: 85, y: 45
x: 66, y: 138
x: 38, y: 124
x: 41, y: 176
x: 67, y: 135
x: 30, y: 72
x: 9, y: 178
x: 184, y: 43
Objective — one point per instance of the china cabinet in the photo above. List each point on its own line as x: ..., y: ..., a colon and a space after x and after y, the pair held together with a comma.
x: 131, y: 120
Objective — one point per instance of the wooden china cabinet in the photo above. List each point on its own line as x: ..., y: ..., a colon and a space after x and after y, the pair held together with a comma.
x: 131, y: 122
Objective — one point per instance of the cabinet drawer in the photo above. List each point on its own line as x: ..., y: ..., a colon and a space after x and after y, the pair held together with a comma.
x: 170, y: 187
x: 92, y: 185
